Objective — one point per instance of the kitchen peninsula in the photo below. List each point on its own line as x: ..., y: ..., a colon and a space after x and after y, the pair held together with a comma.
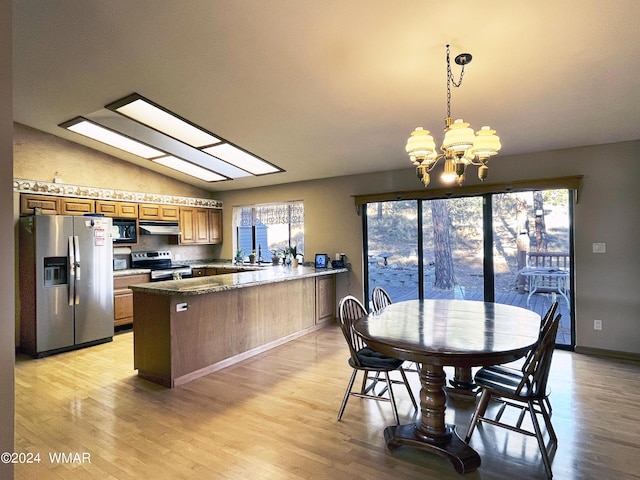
x: 188, y: 328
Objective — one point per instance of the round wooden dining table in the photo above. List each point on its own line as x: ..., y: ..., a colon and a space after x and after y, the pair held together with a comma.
x: 439, y: 333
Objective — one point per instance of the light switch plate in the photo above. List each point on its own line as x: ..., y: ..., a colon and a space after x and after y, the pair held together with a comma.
x: 599, y: 248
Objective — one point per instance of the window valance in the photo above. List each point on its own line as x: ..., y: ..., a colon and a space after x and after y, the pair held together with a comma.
x: 570, y: 183
x: 269, y: 214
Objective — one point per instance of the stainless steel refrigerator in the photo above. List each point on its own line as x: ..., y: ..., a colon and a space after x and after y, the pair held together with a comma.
x: 66, y: 282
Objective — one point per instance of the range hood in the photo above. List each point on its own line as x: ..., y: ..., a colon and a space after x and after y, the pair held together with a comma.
x: 158, y: 228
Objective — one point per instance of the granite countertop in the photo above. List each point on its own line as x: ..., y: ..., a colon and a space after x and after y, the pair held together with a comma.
x: 131, y: 271
x: 200, y: 264
x: 230, y: 281
x: 231, y: 266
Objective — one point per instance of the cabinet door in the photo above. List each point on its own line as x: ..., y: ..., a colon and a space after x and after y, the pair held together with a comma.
x: 108, y: 209
x: 194, y: 225
x: 123, y: 307
x: 77, y: 206
x: 123, y: 297
x: 187, y: 226
x: 127, y: 210
x: 325, y: 298
x: 117, y: 209
x: 148, y: 212
x: 201, y: 223
x: 169, y: 212
x: 47, y: 205
x: 215, y: 225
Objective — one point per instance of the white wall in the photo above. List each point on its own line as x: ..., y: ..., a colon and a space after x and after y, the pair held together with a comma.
x: 606, y: 284
x: 6, y: 241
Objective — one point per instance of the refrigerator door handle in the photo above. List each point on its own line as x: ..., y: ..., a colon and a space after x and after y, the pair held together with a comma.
x: 71, y: 284
x: 76, y: 248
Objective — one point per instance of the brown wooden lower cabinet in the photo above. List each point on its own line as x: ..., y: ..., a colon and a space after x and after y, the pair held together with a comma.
x: 178, y: 338
x: 325, y: 299
x: 123, y: 297
x: 208, y: 271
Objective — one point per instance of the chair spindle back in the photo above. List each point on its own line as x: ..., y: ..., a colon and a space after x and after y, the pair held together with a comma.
x: 352, y: 310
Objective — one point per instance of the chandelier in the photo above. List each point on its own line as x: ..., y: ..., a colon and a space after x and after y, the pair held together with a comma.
x: 460, y: 147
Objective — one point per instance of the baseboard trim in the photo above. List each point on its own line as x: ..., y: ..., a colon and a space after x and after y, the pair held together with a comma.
x: 600, y: 352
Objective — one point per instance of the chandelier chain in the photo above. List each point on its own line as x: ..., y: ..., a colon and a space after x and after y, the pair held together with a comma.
x: 451, y: 80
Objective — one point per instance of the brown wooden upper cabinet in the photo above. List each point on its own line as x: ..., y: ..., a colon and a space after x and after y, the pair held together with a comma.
x: 148, y: 211
x: 77, y: 206
x: 50, y: 205
x: 200, y: 225
x: 117, y: 209
x: 215, y: 225
x: 47, y: 205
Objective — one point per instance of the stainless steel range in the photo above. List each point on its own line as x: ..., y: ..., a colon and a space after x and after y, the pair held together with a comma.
x: 161, y: 265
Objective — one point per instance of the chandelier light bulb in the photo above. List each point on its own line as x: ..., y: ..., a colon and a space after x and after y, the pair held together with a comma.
x: 449, y: 173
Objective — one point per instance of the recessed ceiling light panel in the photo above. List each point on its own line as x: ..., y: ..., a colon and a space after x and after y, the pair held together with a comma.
x: 141, y: 127
x: 189, y: 169
x: 101, y: 134
x: 144, y: 111
x: 241, y: 159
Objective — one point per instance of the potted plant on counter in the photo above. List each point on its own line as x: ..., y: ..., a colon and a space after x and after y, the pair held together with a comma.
x: 252, y: 257
x: 293, y: 254
x: 239, y: 257
x: 275, y: 256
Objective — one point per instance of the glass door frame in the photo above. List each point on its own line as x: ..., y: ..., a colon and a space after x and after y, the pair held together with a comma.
x: 488, y: 247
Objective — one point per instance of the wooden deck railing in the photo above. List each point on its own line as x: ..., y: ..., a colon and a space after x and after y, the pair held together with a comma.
x: 548, y: 260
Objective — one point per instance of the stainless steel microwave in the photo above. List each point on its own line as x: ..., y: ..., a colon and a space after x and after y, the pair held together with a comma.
x: 127, y: 231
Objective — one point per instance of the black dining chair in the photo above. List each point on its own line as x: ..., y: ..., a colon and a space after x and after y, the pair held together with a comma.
x: 516, y: 372
x: 526, y: 392
x: 381, y: 299
x: 373, y: 364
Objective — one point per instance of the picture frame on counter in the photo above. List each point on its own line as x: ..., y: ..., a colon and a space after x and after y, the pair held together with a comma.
x: 322, y: 260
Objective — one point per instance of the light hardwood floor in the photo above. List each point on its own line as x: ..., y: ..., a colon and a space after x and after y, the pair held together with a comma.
x: 274, y: 417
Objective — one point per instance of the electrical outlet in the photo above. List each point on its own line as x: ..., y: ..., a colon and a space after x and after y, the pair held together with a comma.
x: 597, y: 324
x: 182, y: 307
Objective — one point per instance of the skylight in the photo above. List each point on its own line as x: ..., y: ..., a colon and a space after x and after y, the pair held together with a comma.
x: 189, y: 168
x: 144, y: 111
x: 145, y: 129
x: 92, y: 130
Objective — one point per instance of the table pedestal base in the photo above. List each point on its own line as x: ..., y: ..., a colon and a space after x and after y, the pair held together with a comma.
x: 463, y: 387
x: 463, y: 458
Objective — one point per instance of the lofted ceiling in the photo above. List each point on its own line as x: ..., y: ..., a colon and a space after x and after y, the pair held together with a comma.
x: 335, y: 87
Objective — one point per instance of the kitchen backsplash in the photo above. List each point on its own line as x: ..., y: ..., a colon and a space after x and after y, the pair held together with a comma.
x: 184, y: 253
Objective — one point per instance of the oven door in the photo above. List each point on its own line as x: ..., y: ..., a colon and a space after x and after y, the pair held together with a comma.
x: 162, y: 274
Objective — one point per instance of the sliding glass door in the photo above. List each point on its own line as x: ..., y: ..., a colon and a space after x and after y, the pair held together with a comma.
x: 510, y: 248
x: 392, y: 248
x: 532, y: 253
x: 453, y: 248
